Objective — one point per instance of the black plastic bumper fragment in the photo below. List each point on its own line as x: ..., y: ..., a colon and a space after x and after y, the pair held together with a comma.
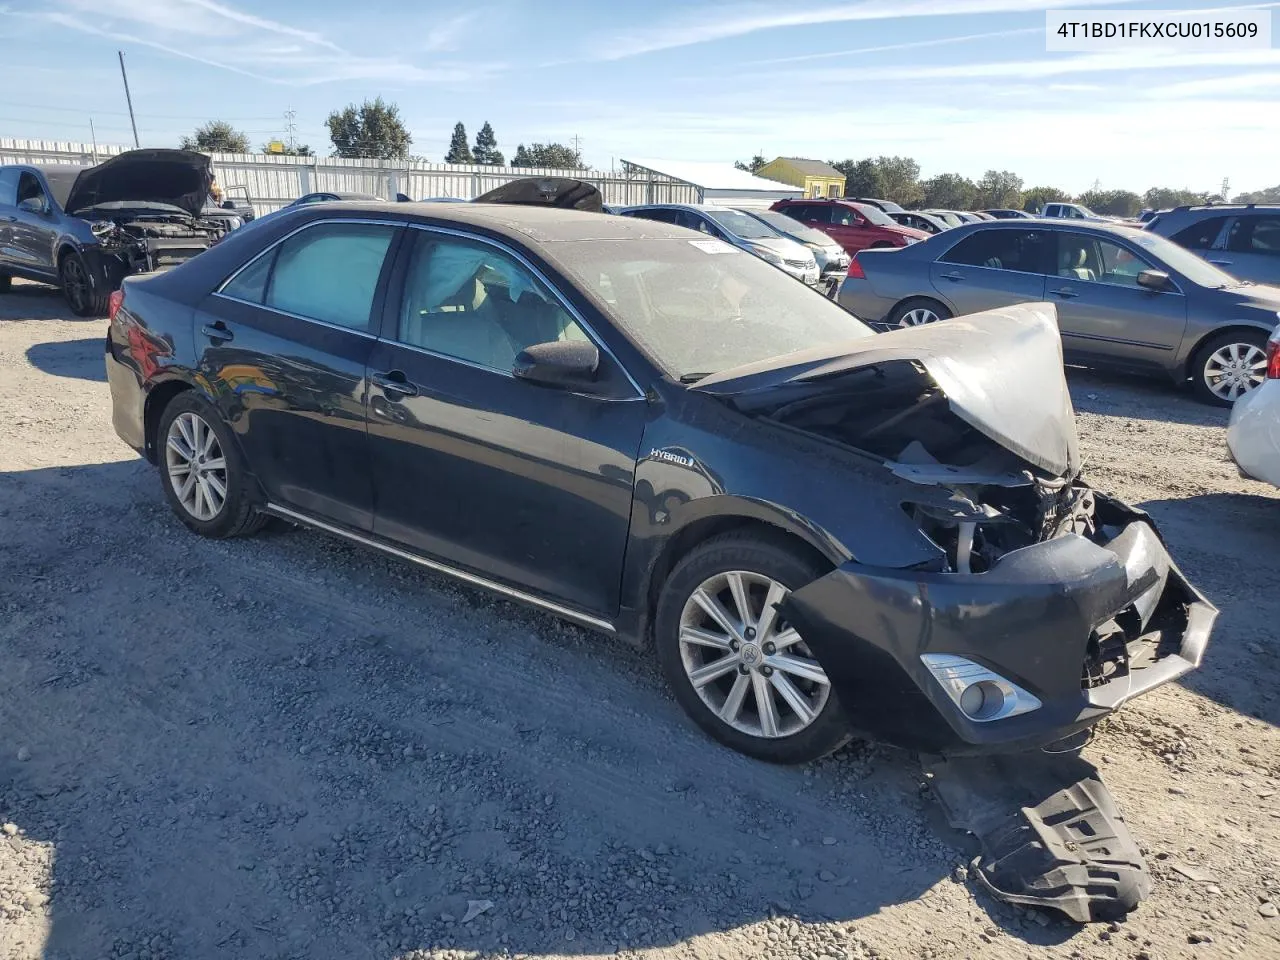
x: 1050, y: 832
x: 1037, y: 618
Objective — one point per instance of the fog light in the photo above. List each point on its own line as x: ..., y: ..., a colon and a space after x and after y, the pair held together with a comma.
x: 981, y: 694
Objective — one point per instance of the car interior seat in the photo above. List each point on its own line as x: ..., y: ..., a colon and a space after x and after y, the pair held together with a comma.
x: 1075, y: 264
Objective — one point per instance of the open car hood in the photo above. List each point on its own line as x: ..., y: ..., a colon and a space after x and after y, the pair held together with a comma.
x: 563, y: 192
x: 180, y: 178
x: 1001, y: 372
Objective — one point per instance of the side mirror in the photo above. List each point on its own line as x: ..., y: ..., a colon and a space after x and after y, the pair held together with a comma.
x: 1156, y: 281
x: 32, y: 205
x: 558, y: 363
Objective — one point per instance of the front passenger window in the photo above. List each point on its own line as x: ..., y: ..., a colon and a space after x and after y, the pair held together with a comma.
x: 469, y: 300
x: 29, y: 188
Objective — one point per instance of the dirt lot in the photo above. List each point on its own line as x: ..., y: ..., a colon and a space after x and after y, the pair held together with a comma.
x: 287, y: 747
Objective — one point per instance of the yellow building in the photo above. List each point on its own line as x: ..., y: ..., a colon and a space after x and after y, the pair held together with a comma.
x: 816, y: 178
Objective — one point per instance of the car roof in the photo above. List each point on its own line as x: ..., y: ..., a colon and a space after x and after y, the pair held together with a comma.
x: 517, y: 222
x: 1042, y: 223
x: 67, y: 168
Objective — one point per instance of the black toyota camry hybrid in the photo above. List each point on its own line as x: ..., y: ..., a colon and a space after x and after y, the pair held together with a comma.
x: 821, y: 532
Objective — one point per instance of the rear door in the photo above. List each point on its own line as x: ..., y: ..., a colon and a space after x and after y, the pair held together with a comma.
x: 284, y: 348
x: 1103, y: 314
x: 526, y: 485
x: 991, y: 268
x: 1252, y: 245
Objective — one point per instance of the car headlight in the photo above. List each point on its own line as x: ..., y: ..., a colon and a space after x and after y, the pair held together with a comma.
x: 981, y: 694
x: 764, y: 253
x: 911, y: 240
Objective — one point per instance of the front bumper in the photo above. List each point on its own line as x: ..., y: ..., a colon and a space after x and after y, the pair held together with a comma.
x: 1083, y: 627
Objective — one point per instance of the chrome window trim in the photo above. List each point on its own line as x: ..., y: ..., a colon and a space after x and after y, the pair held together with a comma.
x: 436, y: 566
x: 297, y: 316
x: 555, y: 292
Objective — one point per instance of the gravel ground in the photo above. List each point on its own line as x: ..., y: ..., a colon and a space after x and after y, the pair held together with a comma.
x: 289, y: 747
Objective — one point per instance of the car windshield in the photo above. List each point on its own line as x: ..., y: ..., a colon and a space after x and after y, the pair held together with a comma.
x: 699, y: 307
x: 793, y: 228
x: 875, y: 215
x: 1183, y: 261
x: 742, y: 225
x: 60, y: 184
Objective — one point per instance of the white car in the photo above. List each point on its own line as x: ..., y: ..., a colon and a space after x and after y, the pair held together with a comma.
x: 1253, y: 436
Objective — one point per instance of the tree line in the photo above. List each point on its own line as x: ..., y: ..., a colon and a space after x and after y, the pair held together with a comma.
x: 374, y: 130
x: 898, y: 179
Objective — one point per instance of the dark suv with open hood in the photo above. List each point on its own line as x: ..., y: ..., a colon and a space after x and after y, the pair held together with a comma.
x: 87, y: 228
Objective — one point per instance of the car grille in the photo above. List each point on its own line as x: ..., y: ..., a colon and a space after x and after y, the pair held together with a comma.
x: 798, y: 264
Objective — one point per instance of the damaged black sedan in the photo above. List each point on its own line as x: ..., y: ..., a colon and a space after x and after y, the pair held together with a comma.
x: 821, y: 533
x: 87, y: 228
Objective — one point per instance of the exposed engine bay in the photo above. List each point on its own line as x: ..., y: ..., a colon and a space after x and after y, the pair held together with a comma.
x: 137, y: 242
x: 987, y: 501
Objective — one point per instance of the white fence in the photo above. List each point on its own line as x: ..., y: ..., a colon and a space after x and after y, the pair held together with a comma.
x: 272, y: 181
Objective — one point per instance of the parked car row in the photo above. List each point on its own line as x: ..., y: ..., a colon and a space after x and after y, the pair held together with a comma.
x: 1125, y: 298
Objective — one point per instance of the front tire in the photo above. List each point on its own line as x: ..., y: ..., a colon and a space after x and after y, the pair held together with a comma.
x: 203, y: 475
x: 83, y: 293
x: 737, y: 668
x: 1229, y: 366
x: 917, y: 312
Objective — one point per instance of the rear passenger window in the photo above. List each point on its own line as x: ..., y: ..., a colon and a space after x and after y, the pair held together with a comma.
x: 1021, y: 250
x: 329, y: 272
x: 1200, y: 236
x: 1255, y: 234
x: 250, y: 284
x: 809, y: 212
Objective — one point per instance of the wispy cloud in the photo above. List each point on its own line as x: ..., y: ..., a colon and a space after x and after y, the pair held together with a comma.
x: 909, y: 45
x: 1117, y: 62
x: 255, y: 46
x: 1265, y: 81
x: 723, y: 22
x: 444, y: 36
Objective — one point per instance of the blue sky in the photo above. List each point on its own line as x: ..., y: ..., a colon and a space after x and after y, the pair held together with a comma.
x: 961, y: 85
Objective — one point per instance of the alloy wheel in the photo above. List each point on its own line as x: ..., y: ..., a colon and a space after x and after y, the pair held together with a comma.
x: 196, y: 465
x: 917, y: 317
x: 747, y: 664
x: 1234, y: 369
x: 75, y: 283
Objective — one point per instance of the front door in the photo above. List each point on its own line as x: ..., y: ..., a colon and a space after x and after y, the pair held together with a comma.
x: 33, y: 231
x: 1103, y: 314
x: 991, y: 268
x: 284, y: 347
x: 521, y: 483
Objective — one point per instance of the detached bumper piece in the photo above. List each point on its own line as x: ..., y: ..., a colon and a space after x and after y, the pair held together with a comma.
x: 1050, y: 833
x: 1072, y: 626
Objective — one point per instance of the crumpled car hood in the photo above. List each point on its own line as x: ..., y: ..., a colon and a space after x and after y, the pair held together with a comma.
x: 563, y: 192
x: 180, y: 178
x: 1001, y: 372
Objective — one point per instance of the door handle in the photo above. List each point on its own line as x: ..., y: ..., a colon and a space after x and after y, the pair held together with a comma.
x: 217, y: 332
x: 1065, y: 292
x: 953, y: 276
x: 395, y: 385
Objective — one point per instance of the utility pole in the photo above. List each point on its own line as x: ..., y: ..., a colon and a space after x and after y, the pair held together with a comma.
x: 128, y: 99
x: 94, y: 137
x: 1226, y: 186
x: 577, y: 145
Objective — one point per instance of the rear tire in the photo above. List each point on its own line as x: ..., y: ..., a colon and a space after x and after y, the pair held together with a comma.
x: 918, y: 311
x: 203, y: 475
x: 83, y: 292
x: 1229, y: 366
x: 763, y: 657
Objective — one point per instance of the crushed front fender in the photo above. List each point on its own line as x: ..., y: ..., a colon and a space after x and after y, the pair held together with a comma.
x: 1083, y: 626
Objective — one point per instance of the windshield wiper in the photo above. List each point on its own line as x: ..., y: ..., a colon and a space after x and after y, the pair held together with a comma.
x: 693, y: 377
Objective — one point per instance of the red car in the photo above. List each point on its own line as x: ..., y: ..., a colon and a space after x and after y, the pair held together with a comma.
x: 855, y: 226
